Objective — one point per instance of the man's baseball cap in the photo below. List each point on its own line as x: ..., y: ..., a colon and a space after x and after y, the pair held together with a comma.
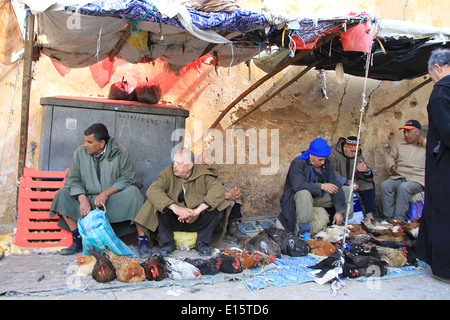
x: 411, y: 124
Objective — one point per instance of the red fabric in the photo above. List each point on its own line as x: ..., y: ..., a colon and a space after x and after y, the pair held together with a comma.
x: 358, y: 38
x: 103, y: 70
x: 63, y: 70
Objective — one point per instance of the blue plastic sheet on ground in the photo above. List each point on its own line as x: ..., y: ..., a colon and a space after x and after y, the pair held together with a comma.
x: 289, y: 271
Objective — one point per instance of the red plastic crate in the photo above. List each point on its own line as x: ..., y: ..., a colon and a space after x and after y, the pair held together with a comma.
x: 35, y: 228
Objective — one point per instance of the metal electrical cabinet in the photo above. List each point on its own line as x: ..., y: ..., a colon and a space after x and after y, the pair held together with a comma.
x: 145, y: 130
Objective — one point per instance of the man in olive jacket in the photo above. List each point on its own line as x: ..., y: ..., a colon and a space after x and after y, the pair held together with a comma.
x: 101, y: 174
x: 343, y: 157
x: 185, y: 197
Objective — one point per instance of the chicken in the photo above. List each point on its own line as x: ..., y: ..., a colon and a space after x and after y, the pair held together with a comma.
x: 368, y: 266
x: 103, y: 270
x: 127, y: 268
x: 245, y: 259
x: 85, y: 264
x: 349, y: 270
x: 230, y: 264
x: 288, y: 242
x: 209, y: 266
x: 388, y: 243
x: 261, y: 259
x: 327, y: 263
x: 332, y: 234
x: 320, y: 247
x: 154, y: 267
x: 395, y: 257
x: 355, y: 230
x: 263, y: 243
x: 181, y: 270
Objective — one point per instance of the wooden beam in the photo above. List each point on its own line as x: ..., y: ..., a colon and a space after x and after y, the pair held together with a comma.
x: 301, y: 74
x: 26, y: 88
x: 278, y: 69
x: 125, y: 35
x: 403, y: 97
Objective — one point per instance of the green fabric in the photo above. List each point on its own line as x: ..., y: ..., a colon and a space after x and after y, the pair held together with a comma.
x: 116, y: 171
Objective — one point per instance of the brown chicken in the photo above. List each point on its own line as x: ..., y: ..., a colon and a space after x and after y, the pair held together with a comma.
x: 321, y: 247
x: 103, y: 270
x: 85, y: 264
x: 355, y: 230
x: 127, y: 268
x: 246, y: 260
x: 395, y: 257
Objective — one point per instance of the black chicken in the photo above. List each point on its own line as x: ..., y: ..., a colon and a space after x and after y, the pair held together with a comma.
x: 209, y: 266
x: 370, y: 266
x: 263, y: 243
x: 288, y: 242
x: 230, y: 264
x: 103, y: 270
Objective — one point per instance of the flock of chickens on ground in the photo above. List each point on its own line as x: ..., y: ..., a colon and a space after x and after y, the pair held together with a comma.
x: 367, y: 252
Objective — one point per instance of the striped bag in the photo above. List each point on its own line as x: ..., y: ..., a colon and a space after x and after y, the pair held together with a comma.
x: 96, y: 231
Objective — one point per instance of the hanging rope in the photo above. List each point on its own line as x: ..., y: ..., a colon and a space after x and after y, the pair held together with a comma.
x: 341, y: 261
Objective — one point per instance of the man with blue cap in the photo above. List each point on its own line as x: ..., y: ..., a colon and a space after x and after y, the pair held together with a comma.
x: 311, y: 182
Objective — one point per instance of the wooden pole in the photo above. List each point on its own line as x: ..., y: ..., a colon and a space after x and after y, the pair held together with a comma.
x: 278, y: 69
x: 403, y: 97
x: 301, y: 74
x: 26, y: 88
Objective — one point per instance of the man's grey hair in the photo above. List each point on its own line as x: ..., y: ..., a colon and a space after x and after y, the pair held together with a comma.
x: 441, y: 57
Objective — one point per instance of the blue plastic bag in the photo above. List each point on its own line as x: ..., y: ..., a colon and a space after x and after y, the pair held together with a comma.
x: 96, y: 231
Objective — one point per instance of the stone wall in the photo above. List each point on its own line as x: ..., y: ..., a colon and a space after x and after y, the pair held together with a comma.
x: 298, y: 114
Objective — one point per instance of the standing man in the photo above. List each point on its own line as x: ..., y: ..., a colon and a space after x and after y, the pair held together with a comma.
x: 311, y: 182
x: 101, y: 173
x: 185, y: 197
x: 343, y: 157
x: 406, y: 164
x: 434, y: 237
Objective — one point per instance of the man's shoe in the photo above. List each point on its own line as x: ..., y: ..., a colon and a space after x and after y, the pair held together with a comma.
x: 73, y: 249
x: 167, y: 248
x: 144, y: 251
x: 202, y: 249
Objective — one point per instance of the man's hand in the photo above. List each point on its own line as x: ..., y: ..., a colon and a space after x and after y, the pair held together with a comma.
x: 394, y: 170
x: 233, y: 194
x: 338, y: 218
x: 184, y: 214
x: 85, y: 206
x: 329, y: 187
x: 100, y: 200
x: 202, y: 207
x: 362, y: 166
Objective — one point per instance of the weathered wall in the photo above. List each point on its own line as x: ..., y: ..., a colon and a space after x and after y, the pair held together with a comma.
x: 300, y: 113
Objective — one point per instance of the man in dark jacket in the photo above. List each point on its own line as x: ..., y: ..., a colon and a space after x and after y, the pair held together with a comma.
x: 311, y: 182
x: 434, y: 236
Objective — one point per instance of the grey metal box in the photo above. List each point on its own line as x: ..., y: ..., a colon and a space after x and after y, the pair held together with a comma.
x: 145, y: 130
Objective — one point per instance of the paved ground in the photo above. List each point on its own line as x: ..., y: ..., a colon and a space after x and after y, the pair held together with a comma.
x: 50, y: 276
x: 46, y: 275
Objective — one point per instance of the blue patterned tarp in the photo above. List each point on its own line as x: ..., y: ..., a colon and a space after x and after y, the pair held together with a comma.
x: 239, y: 20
